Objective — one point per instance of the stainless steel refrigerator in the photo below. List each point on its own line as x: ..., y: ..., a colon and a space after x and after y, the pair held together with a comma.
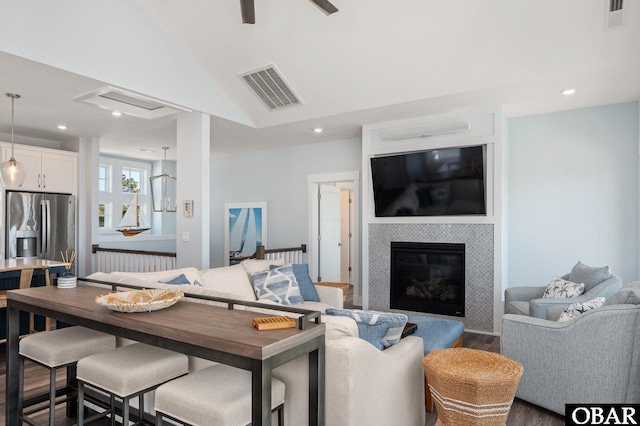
x: 39, y: 225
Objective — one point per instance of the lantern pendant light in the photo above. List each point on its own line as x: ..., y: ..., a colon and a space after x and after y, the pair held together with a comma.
x: 162, y: 188
x: 12, y: 172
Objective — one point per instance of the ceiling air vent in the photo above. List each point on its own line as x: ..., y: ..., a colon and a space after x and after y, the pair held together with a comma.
x: 615, y: 15
x: 115, y: 99
x: 270, y: 87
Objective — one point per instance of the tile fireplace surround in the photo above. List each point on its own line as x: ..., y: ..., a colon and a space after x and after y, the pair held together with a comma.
x: 479, y: 252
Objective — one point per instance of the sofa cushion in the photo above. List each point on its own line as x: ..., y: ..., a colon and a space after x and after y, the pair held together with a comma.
x: 561, y: 288
x: 191, y: 274
x: 259, y: 265
x: 381, y: 329
x: 278, y: 284
x: 576, y: 309
x: 589, y: 275
x: 307, y: 289
x: 629, y: 294
x: 228, y: 279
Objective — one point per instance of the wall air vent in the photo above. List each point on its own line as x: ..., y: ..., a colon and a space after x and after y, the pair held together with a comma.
x: 267, y: 83
x: 615, y: 14
x: 115, y: 99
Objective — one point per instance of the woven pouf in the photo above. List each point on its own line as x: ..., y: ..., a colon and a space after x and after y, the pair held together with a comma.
x: 471, y: 387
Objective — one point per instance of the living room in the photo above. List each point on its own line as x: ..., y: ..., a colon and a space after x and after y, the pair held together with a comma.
x: 568, y: 172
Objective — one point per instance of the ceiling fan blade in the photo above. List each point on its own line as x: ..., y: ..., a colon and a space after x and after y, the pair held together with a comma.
x: 325, y: 6
x: 248, y: 12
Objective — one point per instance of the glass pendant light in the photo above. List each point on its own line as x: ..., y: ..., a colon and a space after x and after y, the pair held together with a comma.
x: 12, y: 172
x: 164, y: 189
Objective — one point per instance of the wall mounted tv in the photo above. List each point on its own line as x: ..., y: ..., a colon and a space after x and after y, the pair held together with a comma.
x: 436, y: 182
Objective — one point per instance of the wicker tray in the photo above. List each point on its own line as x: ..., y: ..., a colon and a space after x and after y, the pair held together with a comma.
x: 145, y: 300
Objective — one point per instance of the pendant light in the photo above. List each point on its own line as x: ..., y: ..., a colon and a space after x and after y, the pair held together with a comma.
x: 11, y: 171
x: 163, y: 188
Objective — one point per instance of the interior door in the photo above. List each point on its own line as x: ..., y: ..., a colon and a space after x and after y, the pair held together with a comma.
x: 329, y: 233
x: 345, y: 236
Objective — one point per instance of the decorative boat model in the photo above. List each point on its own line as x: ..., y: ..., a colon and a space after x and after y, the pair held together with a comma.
x: 134, y: 220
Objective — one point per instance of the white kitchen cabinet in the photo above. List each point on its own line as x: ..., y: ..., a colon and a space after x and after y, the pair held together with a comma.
x: 47, y: 170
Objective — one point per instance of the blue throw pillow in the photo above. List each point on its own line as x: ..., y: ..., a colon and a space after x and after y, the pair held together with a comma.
x: 180, y: 279
x: 307, y: 289
x: 381, y: 329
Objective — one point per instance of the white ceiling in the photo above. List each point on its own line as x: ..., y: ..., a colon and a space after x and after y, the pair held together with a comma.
x: 373, y: 61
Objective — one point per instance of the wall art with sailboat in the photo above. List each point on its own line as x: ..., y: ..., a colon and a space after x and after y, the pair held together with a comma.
x: 245, y: 229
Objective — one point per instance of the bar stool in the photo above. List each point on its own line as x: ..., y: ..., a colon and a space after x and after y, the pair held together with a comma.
x: 215, y: 396
x: 57, y: 349
x: 126, y: 372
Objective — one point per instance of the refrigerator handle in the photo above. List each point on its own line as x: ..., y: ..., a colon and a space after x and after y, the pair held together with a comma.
x: 48, y: 205
x: 43, y: 229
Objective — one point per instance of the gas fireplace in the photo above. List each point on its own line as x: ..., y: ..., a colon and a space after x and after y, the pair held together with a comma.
x: 428, y: 277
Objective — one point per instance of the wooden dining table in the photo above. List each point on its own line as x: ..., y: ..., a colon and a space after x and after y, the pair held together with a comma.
x: 220, y: 334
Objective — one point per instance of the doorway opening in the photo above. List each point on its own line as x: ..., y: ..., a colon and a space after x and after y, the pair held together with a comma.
x: 334, y: 244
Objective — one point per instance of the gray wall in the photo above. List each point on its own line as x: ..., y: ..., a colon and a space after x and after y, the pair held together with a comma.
x: 278, y: 177
x: 573, y: 193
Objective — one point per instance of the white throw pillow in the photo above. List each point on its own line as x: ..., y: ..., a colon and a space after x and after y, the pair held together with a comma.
x: 561, y: 288
x: 576, y: 309
x: 228, y: 279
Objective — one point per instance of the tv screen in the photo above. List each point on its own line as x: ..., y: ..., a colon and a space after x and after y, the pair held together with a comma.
x: 437, y: 182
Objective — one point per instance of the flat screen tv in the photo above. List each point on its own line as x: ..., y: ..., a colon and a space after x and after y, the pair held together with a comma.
x: 436, y: 182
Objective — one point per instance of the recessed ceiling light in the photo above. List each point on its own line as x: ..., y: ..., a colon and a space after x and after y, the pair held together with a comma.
x: 318, y: 129
x: 62, y: 127
x: 568, y: 91
x: 116, y: 113
x: 146, y: 150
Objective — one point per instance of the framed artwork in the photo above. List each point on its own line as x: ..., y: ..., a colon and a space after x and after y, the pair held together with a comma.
x: 245, y: 228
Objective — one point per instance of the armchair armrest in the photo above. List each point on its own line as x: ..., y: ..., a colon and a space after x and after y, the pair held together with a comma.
x: 367, y: 386
x: 523, y: 294
x: 330, y: 295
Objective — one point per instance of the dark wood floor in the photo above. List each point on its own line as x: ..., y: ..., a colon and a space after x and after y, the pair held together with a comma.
x: 522, y: 413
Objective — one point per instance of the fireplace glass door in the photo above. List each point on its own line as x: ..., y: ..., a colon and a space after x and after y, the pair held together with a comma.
x: 428, y: 277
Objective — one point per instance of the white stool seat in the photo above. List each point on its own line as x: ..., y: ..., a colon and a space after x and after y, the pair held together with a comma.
x: 217, y: 395
x: 55, y: 349
x: 65, y: 345
x: 126, y: 372
x: 131, y: 369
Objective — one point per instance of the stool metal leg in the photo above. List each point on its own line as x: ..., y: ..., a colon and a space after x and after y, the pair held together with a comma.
x: 80, y: 404
x: 125, y: 411
x: 20, y: 386
x: 112, y: 409
x: 52, y: 397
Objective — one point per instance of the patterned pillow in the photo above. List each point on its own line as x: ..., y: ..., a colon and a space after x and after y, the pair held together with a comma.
x: 307, y: 289
x: 278, y: 284
x: 576, y: 309
x: 560, y: 288
x: 381, y: 329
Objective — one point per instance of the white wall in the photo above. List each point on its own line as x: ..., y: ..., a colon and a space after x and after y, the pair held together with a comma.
x: 573, y: 193
x: 278, y: 177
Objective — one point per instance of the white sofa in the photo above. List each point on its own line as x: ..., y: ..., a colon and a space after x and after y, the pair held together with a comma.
x: 363, y: 385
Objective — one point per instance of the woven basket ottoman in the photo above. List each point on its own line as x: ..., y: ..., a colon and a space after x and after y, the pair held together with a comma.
x: 471, y: 387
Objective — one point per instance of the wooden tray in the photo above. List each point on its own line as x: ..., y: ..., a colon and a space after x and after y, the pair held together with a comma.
x: 273, y: 323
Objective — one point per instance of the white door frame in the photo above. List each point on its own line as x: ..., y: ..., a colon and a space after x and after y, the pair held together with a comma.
x: 313, y: 181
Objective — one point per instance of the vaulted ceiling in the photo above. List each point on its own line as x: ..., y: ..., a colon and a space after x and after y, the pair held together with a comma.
x: 372, y: 61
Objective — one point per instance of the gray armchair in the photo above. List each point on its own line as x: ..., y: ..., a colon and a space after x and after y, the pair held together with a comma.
x: 598, y: 282
x: 593, y: 358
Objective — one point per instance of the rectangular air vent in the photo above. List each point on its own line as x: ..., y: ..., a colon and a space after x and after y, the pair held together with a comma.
x: 615, y: 14
x: 267, y: 83
x: 115, y: 99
